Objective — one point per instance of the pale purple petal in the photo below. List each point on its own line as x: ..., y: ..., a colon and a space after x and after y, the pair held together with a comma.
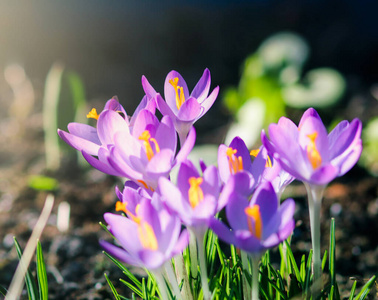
x: 119, y: 254
x: 147, y: 87
x: 169, y: 91
x: 209, y: 101
x: 187, y: 147
x: 151, y: 259
x: 202, y: 88
x: 108, y: 124
x: 222, y: 231
x: 189, y: 110
x: 79, y: 143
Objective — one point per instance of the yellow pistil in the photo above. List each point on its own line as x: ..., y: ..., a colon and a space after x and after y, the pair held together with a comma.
x: 254, y: 220
x: 147, y: 236
x: 93, y: 114
x: 180, y: 97
x: 195, y: 193
x: 120, y: 206
x: 145, y: 232
x: 312, y: 152
x: 255, y: 152
x: 235, y: 162
x: 147, y: 139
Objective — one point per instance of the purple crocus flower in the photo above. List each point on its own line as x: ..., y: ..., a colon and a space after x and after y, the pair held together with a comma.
x: 148, y: 152
x: 98, y: 140
x: 147, y: 239
x: 183, y: 108
x: 256, y: 225
x: 310, y: 154
x: 235, y: 163
x: 195, y: 198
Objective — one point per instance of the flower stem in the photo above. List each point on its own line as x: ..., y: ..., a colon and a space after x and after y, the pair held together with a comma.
x: 203, y: 268
x: 315, y: 195
x: 173, y: 280
x: 158, y: 274
x: 246, y: 269
x: 181, y: 274
x: 193, y: 254
x: 255, y: 276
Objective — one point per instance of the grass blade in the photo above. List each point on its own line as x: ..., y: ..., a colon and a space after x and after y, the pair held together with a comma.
x: 115, y: 293
x: 41, y: 274
x: 366, y: 289
x: 29, y: 281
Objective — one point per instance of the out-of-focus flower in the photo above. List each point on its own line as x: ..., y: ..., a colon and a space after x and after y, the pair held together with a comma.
x: 310, y: 154
x: 195, y: 198
x: 147, y: 239
x: 183, y: 108
x: 256, y: 225
x: 148, y: 152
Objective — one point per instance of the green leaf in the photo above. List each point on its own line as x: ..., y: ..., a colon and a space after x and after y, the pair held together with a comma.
x: 115, y: 293
x: 29, y: 280
x: 43, y: 183
x: 41, y: 274
x: 366, y: 289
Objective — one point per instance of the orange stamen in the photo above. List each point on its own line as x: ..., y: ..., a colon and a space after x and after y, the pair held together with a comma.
x: 195, y: 193
x: 146, y: 138
x: 235, y: 162
x: 312, y: 151
x: 254, y: 220
x: 180, y: 97
x: 93, y: 114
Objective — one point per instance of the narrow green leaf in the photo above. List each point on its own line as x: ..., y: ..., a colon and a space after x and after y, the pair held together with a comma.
x: 29, y: 280
x: 125, y: 271
x: 115, y: 293
x: 41, y: 274
x: 131, y: 287
x: 353, y: 290
x: 294, y: 264
x: 366, y: 289
x: 324, y: 260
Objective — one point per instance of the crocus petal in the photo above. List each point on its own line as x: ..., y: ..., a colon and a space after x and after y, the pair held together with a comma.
x: 108, y: 124
x: 222, y: 231
x: 119, y: 253
x: 164, y: 108
x: 247, y: 242
x: 265, y: 197
x: 118, y: 225
x: 309, y: 113
x: 84, y: 131
x: 79, y: 143
x: 324, y: 175
x: 350, y: 160
x: 187, y: 147
x: 151, y: 259
x: 146, y: 103
x: 209, y: 101
x: 145, y: 121
x: 342, y: 140
x: 100, y: 165
x: 181, y: 243
x: 235, y: 212
x: 201, y: 90
x: 166, y: 134
x: 169, y: 91
x: 113, y: 104
x: 189, y: 110
x: 147, y: 87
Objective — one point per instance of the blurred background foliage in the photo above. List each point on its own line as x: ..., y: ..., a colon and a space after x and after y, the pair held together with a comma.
x: 270, y: 58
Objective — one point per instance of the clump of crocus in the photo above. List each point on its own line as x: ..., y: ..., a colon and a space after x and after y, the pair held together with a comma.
x: 183, y: 108
x: 148, y: 239
x: 256, y: 225
x: 315, y: 157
